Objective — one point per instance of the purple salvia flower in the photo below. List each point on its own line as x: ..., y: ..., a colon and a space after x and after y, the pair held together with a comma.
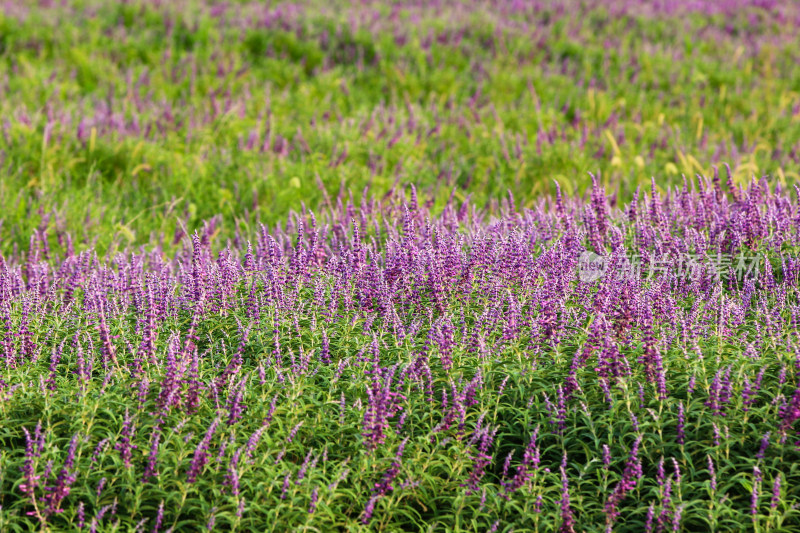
x: 151, y: 470
x: 342, y: 476
x: 677, y: 469
x: 754, y: 495
x: 232, y: 478
x: 712, y: 473
x: 272, y: 405
x: 369, y: 509
x: 507, y: 464
x: 159, y: 517
x: 716, y: 433
x: 312, y: 506
x: 280, y: 455
x: 666, y: 506
x: 630, y: 477
x: 676, y: 518
x: 561, y: 414
x: 285, y: 488
x: 124, y: 445
x: 301, y: 474
x: 38, y: 439
x: 212, y: 519
x: 293, y: 432
x: 235, y: 407
x: 651, y: 513
x: 64, y: 481
x: 502, y: 387
x: 790, y: 412
x: 764, y: 445
x: 201, y: 453
x: 325, y: 351
x: 252, y: 442
x: 530, y: 461
x: 28, y: 467
x: 386, y: 484
x: 776, y: 492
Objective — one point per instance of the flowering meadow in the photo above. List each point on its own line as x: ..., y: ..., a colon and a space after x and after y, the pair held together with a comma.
x: 382, y: 366
x: 399, y: 266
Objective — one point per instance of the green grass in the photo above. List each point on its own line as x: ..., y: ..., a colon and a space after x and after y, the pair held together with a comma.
x: 627, y: 97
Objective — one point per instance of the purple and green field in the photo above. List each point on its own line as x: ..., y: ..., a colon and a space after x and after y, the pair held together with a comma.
x: 399, y: 266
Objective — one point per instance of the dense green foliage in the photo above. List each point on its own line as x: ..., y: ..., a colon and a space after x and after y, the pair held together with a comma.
x: 333, y: 266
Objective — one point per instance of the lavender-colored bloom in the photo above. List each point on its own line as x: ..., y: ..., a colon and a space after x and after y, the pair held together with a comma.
x: 530, y: 463
x: 293, y: 432
x: 124, y: 445
x: 212, y: 519
x: 630, y: 477
x: 651, y: 513
x: 716, y: 433
x: 665, y: 517
x: 342, y: 476
x: 304, y: 467
x: 66, y: 477
x: 755, y: 492
x: 201, y: 453
x: 762, y: 450
x: 386, y: 484
x: 159, y: 517
x: 776, y: 492
x: 561, y: 413
x: 232, y: 478
x: 312, y: 506
x: 676, y: 518
x: 567, y: 518
x: 31, y: 480
x: 369, y: 509
x: 81, y: 516
x: 252, y: 442
x: 285, y: 489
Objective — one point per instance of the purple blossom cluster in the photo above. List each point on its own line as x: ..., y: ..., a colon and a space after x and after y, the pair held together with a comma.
x: 386, y: 350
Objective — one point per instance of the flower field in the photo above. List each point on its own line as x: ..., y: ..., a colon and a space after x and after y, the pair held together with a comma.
x: 307, y: 267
